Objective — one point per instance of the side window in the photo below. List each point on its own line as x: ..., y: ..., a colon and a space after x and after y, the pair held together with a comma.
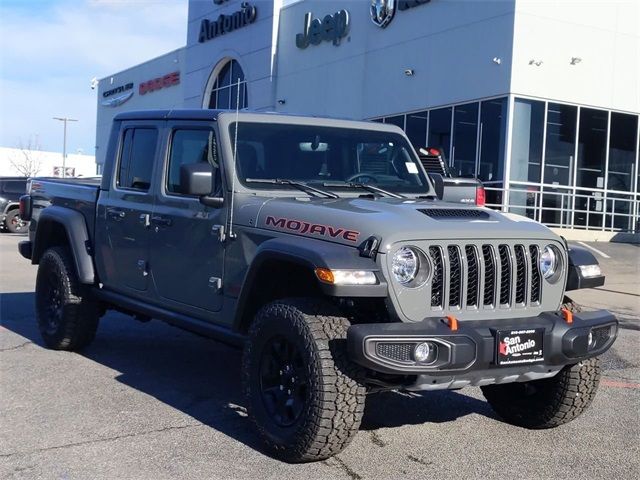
x: 136, y: 158
x: 189, y: 146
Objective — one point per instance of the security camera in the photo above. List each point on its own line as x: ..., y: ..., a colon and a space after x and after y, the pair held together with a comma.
x: 94, y: 83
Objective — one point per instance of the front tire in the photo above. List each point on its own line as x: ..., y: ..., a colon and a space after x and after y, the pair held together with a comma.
x: 66, y: 318
x: 301, y: 388
x: 549, y: 402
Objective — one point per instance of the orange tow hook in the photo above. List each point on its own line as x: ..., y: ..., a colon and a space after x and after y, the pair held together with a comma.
x: 567, y: 314
x: 453, y: 322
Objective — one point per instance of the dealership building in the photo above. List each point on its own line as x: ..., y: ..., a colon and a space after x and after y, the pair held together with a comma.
x: 539, y: 99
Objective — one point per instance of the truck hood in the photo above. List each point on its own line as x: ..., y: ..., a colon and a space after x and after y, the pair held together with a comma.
x: 350, y: 221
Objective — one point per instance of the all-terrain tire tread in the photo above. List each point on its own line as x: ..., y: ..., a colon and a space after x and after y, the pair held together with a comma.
x: 81, y: 315
x: 335, y: 414
x: 571, y: 392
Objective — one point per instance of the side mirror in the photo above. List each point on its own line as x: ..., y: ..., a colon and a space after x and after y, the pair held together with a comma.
x: 200, y: 180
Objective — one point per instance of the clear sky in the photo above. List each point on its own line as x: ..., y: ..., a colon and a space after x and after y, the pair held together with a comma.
x: 51, y: 49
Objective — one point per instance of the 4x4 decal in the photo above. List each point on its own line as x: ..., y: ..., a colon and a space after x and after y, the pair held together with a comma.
x: 300, y: 226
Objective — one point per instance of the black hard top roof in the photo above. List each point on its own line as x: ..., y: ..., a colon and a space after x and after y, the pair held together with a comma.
x: 200, y: 114
x: 212, y: 115
x: 174, y: 114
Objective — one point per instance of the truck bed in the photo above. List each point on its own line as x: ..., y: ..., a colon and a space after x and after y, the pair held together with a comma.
x: 80, y: 194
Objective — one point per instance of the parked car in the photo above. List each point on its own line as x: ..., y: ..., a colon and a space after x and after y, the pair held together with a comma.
x: 449, y: 187
x: 320, y: 247
x: 11, y: 189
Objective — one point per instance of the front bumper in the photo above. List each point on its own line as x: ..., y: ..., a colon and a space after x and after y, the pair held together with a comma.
x: 468, y: 355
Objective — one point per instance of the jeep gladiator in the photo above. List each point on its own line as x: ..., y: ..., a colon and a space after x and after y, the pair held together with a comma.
x: 320, y: 248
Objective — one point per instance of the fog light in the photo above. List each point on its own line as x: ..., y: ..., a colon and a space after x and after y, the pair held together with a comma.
x: 425, y: 352
x: 590, y: 340
x: 421, y: 352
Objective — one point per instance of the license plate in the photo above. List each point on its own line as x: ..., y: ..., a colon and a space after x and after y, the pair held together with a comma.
x: 516, y: 347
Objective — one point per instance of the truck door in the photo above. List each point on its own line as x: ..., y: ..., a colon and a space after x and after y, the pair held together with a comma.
x: 187, y: 254
x: 122, y: 225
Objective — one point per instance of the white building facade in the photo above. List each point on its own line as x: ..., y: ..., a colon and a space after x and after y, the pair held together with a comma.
x: 22, y: 162
x: 539, y: 99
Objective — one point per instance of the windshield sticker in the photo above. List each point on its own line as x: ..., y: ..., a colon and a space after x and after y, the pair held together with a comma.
x: 302, y: 227
x: 411, y: 167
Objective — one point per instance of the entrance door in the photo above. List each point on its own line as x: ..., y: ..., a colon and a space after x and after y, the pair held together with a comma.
x: 187, y: 255
x: 122, y: 233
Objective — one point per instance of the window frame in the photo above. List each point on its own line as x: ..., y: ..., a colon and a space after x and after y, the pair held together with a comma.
x: 172, y: 129
x: 118, y: 163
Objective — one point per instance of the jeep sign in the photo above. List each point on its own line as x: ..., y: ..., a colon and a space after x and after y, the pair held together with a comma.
x: 332, y: 28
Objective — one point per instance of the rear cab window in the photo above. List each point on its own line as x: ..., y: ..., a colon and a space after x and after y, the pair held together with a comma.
x: 137, y: 156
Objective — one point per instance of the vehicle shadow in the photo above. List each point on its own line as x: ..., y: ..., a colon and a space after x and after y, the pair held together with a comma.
x: 201, y: 377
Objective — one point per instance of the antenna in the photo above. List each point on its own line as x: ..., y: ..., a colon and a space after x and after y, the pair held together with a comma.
x: 235, y: 155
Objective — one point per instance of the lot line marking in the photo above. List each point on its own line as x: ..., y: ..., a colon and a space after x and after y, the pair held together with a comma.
x: 599, y: 252
x: 611, y: 383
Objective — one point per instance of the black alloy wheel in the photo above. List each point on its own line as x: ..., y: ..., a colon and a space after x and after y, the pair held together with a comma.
x: 283, y: 381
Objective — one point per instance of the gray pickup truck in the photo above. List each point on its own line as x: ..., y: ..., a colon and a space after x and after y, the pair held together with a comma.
x: 320, y: 248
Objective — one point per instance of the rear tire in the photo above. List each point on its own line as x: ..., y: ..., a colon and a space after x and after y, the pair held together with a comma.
x: 66, y: 318
x: 550, y: 402
x: 14, y: 224
x: 302, y: 389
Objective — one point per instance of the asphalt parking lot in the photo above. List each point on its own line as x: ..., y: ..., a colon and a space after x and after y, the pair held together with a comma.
x: 149, y: 401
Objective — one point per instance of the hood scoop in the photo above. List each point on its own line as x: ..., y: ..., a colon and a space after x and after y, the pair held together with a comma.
x: 454, y: 213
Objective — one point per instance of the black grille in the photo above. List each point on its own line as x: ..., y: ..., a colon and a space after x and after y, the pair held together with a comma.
x: 472, y: 276
x: 505, y: 274
x: 455, y: 277
x: 521, y: 274
x: 437, y: 284
x: 489, y: 275
x: 402, y: 352
x: 454, y: 213
x: 535, y: 274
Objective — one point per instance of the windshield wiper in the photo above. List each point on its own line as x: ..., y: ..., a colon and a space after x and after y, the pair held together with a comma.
x: 299, y: 185
x: 364, y: 186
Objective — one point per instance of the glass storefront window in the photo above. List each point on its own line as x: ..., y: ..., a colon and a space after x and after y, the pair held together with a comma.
x: 560, y: 148
x: 465, y: 136
x: 592, y: 148
x: 398, y: 121
x: 493, y: 128
x: 619, y: 210
x: 556, y: 207
x: 622, y: 151
x: 440, y: 129
x: 588, y: 208
x: 417, y: 129
x: 527, y: 140
x: 224, y: 93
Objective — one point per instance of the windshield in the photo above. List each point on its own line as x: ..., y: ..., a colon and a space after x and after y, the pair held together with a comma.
x: 326, y: 156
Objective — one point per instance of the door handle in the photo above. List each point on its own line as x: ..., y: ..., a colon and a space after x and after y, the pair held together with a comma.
x: 159, y: 221
x: 145, y: 220
x: 116, y: 214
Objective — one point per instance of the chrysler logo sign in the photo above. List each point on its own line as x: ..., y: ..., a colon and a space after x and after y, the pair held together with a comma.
x: 383, y: 11
x: 117, y: 96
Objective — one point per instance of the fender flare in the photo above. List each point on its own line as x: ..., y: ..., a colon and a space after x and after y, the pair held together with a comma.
x: 579, y: 256
x: 74, y: 224
x: 311, y: 253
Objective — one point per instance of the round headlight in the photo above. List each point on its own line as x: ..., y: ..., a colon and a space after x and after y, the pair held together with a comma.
x: 405, y: 265
x: 548, y: 262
